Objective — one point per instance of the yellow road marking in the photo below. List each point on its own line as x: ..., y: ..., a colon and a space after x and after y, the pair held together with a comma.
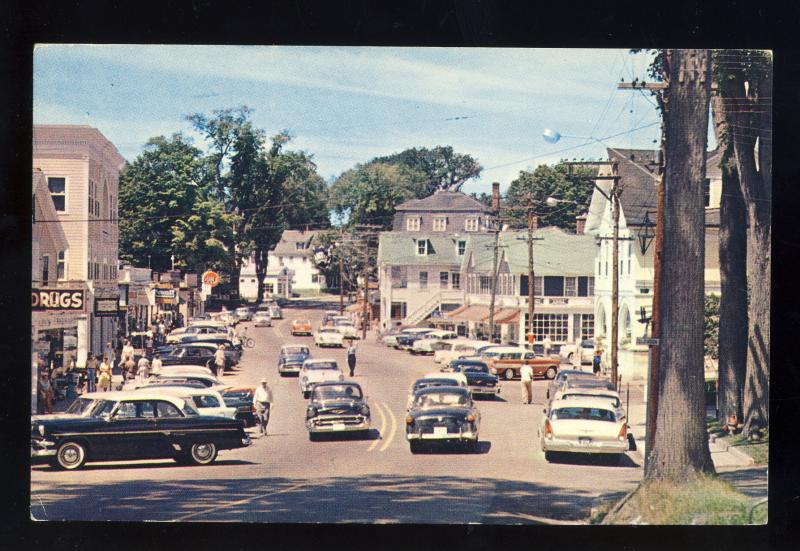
x: 240, y: 502
x: 392, y: 430
x: 383, y: 427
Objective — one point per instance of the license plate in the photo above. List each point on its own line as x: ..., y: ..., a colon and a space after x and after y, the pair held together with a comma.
x: 338, y: 426
x: 439, y: 430
x: 585, y: 441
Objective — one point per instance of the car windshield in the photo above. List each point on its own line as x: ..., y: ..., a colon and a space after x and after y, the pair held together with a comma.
x: 335, y: 392
x: 437, y: 399
x: 327, y: 330
x: 491, y: 354
x: 295, y: 350
x: 587, y: 414
x: 81, y: 406
x: 574, y: 395
x: 321, y: 365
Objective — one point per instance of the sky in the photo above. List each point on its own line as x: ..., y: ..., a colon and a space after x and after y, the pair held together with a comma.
x: 347, y: 105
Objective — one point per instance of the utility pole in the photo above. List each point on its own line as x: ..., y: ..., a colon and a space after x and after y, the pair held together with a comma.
x: 341, y: 280
x: 365, y: 275
x: 531, y: 279
x: 615, y: 273
x: 494, y: 284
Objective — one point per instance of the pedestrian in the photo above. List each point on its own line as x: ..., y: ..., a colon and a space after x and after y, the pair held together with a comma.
x: 262, y: 401
x: 219, y: 360
x: 110, y: 354
x: 351, y: 357
x: 143, y: 369
x: 526, y: 376
x: 162, y: 332
x: 577, y: 355
x: 596, y: 361
x: 127, y: 352
x: 155, y: 365
x: 211, y: 364
x: 547, y: 344
x: 91, y: 373
x: 104, y: 379
x: 46, y: 394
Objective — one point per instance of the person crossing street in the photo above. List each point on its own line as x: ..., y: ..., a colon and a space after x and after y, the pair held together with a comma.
x: 219, y: 360
x: 262, y: 401
x: 526, y: 375
x: 351, y: 357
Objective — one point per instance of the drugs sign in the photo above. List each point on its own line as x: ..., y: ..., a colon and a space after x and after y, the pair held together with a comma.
x: 71, y: 300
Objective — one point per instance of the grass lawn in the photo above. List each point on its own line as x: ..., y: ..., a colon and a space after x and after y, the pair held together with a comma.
x: 757, y: 449
x: 708, y: 500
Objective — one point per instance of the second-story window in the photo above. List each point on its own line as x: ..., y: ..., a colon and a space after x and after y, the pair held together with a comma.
x: 58, y: 192
x: 422, y: 247
x: 471, y: 224
x: 61, y: 265
x: 443, y: 279
x: 439, y: 224
x: 455, y: 279
x: 461, y: 247
x: 413, y: 223
x: 423, y: 280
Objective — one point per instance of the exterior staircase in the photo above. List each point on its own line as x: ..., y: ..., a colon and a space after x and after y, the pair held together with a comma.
x: 423, y: 311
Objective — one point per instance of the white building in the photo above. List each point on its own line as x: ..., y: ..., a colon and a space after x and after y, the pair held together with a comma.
x: 81, y: 170
x: 294, y: 252
x: 636, y: 249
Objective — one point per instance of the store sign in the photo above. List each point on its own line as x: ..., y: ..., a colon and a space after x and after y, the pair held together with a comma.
x: 72, y: 300
x: 106, y: 307
x: 166, y: 296
x: 559, y: 301
x: 211, y: 279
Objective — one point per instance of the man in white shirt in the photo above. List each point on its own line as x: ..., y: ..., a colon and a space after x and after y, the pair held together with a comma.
x: 155, y: 365
x: 526, y: 374
x: 262, y: 400
x: 219, y: 360
x: 143, y: 369
x: 548, y: 344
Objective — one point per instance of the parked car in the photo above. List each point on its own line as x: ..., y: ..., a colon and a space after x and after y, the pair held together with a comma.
x: 242, y: 400
x: 405, y: 341
x: 328, y: 336
x: 291, y: 358
x: 585, y: 425
x: 587, y: 348
x: 346, y: 328
x: 233, y: 351
x: 275, y: 312
x: 302, y: 327
x: 456, y: 348
x: 328, y: 316
x: 479, y: 378
x: 132, y: 426
x: 424, y: 345
x: 204, y: 400
x: 244, y: 313
x: 508, y: 360
x: 337, y: 407
x: 197, y: 353
x: 444, y: 414
x: 318, y: 371
x: 262, y: 319
x: 562, y: 376
x: 389, y: 337
x: 192, y: 332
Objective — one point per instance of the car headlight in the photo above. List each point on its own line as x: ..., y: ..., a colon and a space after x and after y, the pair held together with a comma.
x: 311, y: 412
x: 41, y: 430
x: 304, y: 380
x: 341, y: 376
x: 365, y: 410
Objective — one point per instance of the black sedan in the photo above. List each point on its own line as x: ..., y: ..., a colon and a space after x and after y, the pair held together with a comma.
x: 337, y: 407
x: 479, y: 379
x: 291, y: 358
x: 405, y: 341
x: 443, y: 414
x: 192, y: 354
x: 132, y: 426
x: 242, y: 400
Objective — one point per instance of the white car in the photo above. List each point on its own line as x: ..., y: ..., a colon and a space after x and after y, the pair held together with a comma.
x: 329, y: 336
x: 346, y: 328
x: 316, y: 371
x: 205, y: 400
x: 567, y: 351
x: 578, y: 393
x: 244, y: 313
x: 262, y: 319
x: 425, y: 344
x: 583, y: 425
x: 455, y: 349
x: 275, y: 313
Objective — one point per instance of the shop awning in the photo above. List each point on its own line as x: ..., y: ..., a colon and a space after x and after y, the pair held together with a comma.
x: 507, y: 315
x: 356, y: 307
x: 468, y: 313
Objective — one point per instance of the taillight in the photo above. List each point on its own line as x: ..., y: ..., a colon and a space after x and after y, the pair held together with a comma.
x: 253, y: 408
x: 409, y: 420
x: 548, y: 429
x: 470, y: 418
x: 623, y: 432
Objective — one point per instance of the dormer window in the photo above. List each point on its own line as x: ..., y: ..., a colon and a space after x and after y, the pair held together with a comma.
x: 422, y: 247
x: 471, y: 224
x: 461, y: 248
x: 413, y: 223
x: 440, y: 223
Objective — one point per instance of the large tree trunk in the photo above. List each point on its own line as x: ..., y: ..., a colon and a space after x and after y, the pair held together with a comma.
x: 746, y: 89
x: 261, y: 257
x: 680, y: 445
x: 733, y: 276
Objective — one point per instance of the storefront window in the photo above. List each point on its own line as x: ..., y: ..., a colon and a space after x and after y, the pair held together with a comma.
x: 587, y: 326
x: 555, y: 325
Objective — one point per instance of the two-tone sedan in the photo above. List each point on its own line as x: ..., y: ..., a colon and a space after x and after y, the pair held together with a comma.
x: 583, y: 425
x: 480, y: 380
x: 133, y: 426
x: 337, y: 407
x: 443, y: 414
x: 291, y: 358
x: 301, y: 327
x: 328, y: 336
x: 315, y: 371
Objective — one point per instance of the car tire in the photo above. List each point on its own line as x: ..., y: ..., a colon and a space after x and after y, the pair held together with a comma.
x: 508, y: 374
x: 550, y: 374
x: 70, y: 456
x: 415, y: 446
x: 203, y: 453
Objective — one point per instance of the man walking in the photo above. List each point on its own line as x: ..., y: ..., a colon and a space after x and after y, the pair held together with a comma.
x: 351, y: 357
x: 155, y: 365
x: 219, y: 360
x: 91, y: 373
x: 547, y: 344
x: 596, y: 361
x: 262, y: 400
x: 526, y: 375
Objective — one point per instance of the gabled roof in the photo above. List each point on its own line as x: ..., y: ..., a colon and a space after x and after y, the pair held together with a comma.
x: 444, y: 201
x: 42, y: 197
x: 400, y: 248
x: 288, y: 243
x: 558, y: 252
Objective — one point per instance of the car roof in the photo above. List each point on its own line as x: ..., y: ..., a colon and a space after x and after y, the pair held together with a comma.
x: 591, y: 390
x: 587, y: 382
x: 319, y: 360
x: 453, y: 389
x: 130, y: 395
x: 430, y: 380
x: 298, y: 345
x: 565, y: 372
x: 465, y: 361
x: 237, y: 389
x: 186, y: 369
x: 601, y: 403
x: 301, y: 320
x: 501, y: 348
x: 195, y: 344
x: 183, y: 390
x: 335, y: 383
x: 439, y: 375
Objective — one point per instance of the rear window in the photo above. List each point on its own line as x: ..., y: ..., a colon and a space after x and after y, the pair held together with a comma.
x: 231, y: 396
x: 321, y: 365
x: 588, y: 414
x: 574, y: 395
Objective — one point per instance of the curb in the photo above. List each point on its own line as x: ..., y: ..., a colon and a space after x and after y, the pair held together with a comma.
x: 742, y: 457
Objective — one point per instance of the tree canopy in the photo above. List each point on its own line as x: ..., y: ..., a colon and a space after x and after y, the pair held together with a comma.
x: 438, y: 168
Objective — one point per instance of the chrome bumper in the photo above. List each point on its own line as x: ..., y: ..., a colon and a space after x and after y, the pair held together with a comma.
x: 573, y: 446
x: 485, y: 389
x: 447, y: 436
x: 246, y: 441
x: 40, y: 449
x: 313, y: 426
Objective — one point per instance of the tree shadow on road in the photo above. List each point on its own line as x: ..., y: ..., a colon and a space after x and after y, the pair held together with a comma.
x: 371, y: 434
x: 598, y: 459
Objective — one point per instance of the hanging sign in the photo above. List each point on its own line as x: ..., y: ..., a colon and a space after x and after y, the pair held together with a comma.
x: 211, y: 278
x: 106, y: 307
x: 165, y: 296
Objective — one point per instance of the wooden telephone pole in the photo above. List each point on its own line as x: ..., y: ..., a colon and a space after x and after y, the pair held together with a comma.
x: 368, y: 232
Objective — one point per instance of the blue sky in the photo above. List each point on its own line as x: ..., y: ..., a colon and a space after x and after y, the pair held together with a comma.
x: 348, y: 105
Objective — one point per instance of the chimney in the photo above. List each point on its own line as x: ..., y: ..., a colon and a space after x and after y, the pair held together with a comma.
x: 496, y: 196
x: 580, y: 224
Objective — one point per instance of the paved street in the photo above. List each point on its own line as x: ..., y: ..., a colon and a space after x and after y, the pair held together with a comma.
x: 284, y: 477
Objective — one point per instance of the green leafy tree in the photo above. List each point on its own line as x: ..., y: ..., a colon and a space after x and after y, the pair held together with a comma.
x: 550, y: 181
x: 711, y: 326
x: 368, y: 193
x: 332, y: 245
x: 437, y: 168
x: 201, y: 237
